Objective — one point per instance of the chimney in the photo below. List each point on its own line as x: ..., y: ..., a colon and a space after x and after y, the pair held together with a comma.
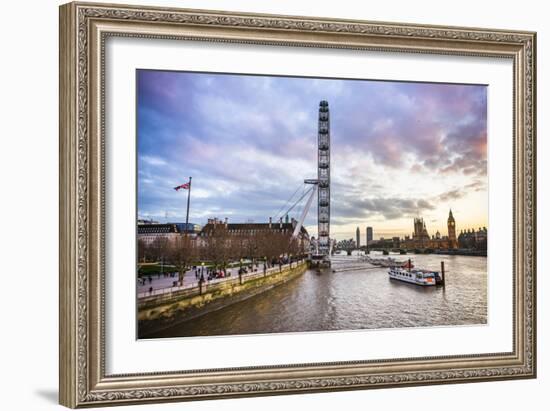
x: 269, y: 222
x: 281, y: 223
x: 225, y: 222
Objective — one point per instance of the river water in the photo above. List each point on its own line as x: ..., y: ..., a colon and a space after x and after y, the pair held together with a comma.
x: 354, y: 296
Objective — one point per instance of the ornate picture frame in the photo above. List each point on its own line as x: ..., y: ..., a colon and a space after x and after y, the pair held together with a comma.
x: 84, y: 29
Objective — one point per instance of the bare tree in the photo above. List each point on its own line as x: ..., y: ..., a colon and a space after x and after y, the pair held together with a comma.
x: 158, y: 249
x: 217, y: 247
x: 252, y: 247
x: 294, y: 247
x: 237, y: 247
x: 143, y: 250
x: 182, y: 252
x: 263, y: 243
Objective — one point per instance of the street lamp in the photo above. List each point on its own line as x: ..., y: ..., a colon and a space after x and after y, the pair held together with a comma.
x: 201, y: 278
x: 241, y: 271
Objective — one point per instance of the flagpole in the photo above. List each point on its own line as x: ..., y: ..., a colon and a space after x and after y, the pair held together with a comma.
x: 188, y: 200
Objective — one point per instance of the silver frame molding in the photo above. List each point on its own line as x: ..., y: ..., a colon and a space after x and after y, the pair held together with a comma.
x: 84, y: 27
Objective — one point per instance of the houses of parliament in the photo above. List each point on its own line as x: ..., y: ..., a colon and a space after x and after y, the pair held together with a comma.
x: 420, y: 239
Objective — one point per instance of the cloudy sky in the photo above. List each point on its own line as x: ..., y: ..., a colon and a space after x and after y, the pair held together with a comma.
x: 398, y: 150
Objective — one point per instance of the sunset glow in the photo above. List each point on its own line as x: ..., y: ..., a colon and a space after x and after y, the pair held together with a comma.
x: 399, y: 150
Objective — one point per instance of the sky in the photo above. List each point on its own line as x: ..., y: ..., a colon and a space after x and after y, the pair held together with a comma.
x: 399, y: 150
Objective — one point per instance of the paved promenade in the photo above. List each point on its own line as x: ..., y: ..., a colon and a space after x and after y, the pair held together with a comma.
x: 159, y: 282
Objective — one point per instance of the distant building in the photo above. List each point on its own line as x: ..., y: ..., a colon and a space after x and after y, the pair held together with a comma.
x: 189, y: 228
x: 358, y: 237
x: 369, y: 235
x: 142, y: 221
x: 421, y: 240
x: 346, y: 244
x: 149, y: 231
x: 384, y: 243
x: 453, y: 243
x: 250, y: 229
x: 420, y: 233
x: 473, y: 239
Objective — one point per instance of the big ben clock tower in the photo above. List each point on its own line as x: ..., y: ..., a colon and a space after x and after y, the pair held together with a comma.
x: 452, y: 230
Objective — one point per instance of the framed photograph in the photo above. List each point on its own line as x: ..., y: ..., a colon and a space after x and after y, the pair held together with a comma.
x: 259, y: 204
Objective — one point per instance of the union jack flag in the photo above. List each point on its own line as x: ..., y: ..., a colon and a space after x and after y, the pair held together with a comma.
x: 182, y: 187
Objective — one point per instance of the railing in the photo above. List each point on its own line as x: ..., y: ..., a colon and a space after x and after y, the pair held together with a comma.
x: 235, y: 278
x: 165, y: 290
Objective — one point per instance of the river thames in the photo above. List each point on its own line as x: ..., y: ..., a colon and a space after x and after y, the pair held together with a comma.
x: 354, y: 295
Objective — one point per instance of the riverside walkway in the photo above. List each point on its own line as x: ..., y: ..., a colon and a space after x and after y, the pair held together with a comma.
x: 160, y: 284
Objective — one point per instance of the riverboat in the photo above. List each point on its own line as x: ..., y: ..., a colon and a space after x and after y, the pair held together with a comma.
x: 415, y: 276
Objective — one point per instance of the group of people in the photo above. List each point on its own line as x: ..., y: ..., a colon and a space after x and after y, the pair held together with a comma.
x: 247, y: 269
x: 149, y: 279
x: 203, y: 273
